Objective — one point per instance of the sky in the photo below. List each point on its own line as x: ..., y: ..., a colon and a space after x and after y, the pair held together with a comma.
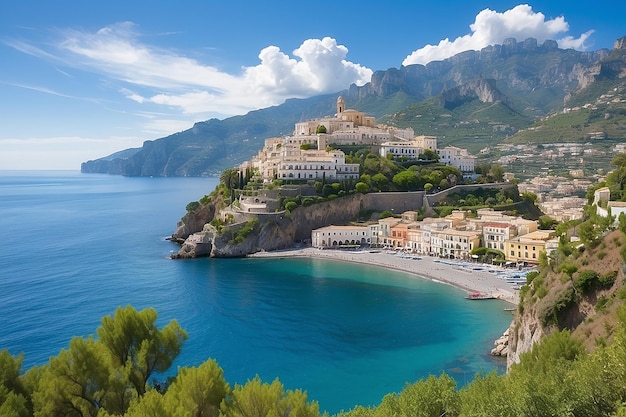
x: 80, y: 80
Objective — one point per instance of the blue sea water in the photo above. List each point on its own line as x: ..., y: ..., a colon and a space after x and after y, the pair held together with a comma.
x: 76, y: 246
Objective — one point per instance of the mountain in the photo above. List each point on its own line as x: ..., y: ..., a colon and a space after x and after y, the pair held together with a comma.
x: 596, y: 111
x: 470, y: 99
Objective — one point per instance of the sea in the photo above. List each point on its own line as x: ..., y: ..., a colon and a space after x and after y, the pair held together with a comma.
x: 75, y: 246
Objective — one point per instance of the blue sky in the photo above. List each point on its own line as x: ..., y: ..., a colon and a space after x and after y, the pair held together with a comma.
x: 80, y: 80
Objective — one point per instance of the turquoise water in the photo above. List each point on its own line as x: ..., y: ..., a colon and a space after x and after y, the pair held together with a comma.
x: 76, y: 246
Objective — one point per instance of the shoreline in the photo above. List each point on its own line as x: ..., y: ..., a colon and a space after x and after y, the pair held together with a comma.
x: 464, y: 275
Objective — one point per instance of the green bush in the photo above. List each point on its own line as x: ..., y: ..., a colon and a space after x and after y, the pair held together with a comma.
x: 586, y: 280
x: 607, y: 280
x: 243, y: 233
x: 531, y: 276
x: 541, y: 291
x: 621, y: 293
x: 291, y: 206
x: 549, y: 313
x: 602, y: 303
x: 194, y: 205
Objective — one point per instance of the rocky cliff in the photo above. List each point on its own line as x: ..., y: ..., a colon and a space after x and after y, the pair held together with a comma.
x: 481, y: 89
x: 579, y: 291
x: 248, y: 233
x: 263, y: 232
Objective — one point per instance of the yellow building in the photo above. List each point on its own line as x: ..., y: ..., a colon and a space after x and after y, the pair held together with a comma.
x: 526, y: 248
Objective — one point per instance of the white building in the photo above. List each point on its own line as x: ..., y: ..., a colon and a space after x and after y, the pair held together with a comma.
x: 315, y: 164
x: 457, y: 157
x: 495, y: 234
x: 454, y: 243
x: 604, y: 205
x: 333, y: 236
x: 409, y: 149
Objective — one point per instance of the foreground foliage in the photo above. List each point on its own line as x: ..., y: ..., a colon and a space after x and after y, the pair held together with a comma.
x: 111, y: 376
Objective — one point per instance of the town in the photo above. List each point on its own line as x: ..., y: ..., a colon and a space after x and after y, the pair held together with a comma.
x: 307, y: 156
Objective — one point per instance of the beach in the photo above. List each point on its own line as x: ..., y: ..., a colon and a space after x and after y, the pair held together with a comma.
x: 472, y: 277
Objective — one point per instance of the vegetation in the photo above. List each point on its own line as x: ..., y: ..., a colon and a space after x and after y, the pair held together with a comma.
x: 111, y: 376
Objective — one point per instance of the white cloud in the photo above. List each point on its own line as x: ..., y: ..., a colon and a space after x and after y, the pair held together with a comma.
x: 322, y: 68
x: 491, y: 27
x: 172, y: 80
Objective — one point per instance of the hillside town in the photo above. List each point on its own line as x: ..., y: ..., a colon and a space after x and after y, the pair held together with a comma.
x: 307, y: 154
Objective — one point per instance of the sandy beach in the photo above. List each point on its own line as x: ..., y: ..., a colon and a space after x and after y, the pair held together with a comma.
x: 468, y: 276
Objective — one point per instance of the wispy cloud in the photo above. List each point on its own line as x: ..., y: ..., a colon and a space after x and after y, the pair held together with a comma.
x: 162, y: 77
x: 491, y: 27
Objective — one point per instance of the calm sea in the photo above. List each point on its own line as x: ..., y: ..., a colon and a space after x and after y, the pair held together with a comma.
x: 75, y: 246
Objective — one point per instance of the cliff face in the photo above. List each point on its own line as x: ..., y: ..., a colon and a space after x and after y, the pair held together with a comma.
x: 274, y: 231
x: 587, y: 307
x: 483, y: 90
x: 270, y: 231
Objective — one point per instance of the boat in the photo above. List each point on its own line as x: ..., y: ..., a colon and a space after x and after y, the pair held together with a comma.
x: 480, y: 296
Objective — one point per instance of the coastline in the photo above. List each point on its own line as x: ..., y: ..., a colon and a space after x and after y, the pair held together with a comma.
x: 462, y: 275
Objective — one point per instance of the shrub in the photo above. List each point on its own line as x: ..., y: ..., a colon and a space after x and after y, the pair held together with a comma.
x: 245, y: 230
x: 549, y: 313
x: 586, y: 280
x: 602, y: 303
x: 194, y: 205
x: 218, y: 224
x: 291, y: 206
x: 531, y: 276
x: 607, y: 280
x: 541, y: 292
x: 385, y: 214
x: 621, y: 293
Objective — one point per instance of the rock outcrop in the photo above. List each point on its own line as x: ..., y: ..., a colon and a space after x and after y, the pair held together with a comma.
x: 481, y: 89
x: 501, y: 345
x: 272, y: 231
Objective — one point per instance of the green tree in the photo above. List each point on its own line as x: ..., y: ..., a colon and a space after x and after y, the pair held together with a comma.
x: 197, y: 392
x: 429, y: 155
x: 77, y: 382
x: 407, y: 180
x: 13, y: 394
x: 380, y: 181
x: 496, y: 173
x: 136, y: 345
x: 432, y: 397
x: 194, y: 205
x: 320, y: 129
x: 558, y: 349
x: 547, y: 223
x: 259, y: 399
x: 229, y: 178
x: 362, y: 187
x: 151, y: 404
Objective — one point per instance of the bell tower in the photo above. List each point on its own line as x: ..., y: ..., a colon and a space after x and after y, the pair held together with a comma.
x: 341, y: 106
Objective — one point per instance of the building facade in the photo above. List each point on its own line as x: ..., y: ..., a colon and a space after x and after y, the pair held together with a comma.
x: 337, y: 236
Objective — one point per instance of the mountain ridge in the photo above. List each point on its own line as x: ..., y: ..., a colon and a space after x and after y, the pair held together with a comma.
x: 530, y: 81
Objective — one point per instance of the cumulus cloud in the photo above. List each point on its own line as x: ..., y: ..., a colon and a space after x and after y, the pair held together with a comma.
x: 491, y: 27
x: 157, y: 76
x: 322, y: 68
